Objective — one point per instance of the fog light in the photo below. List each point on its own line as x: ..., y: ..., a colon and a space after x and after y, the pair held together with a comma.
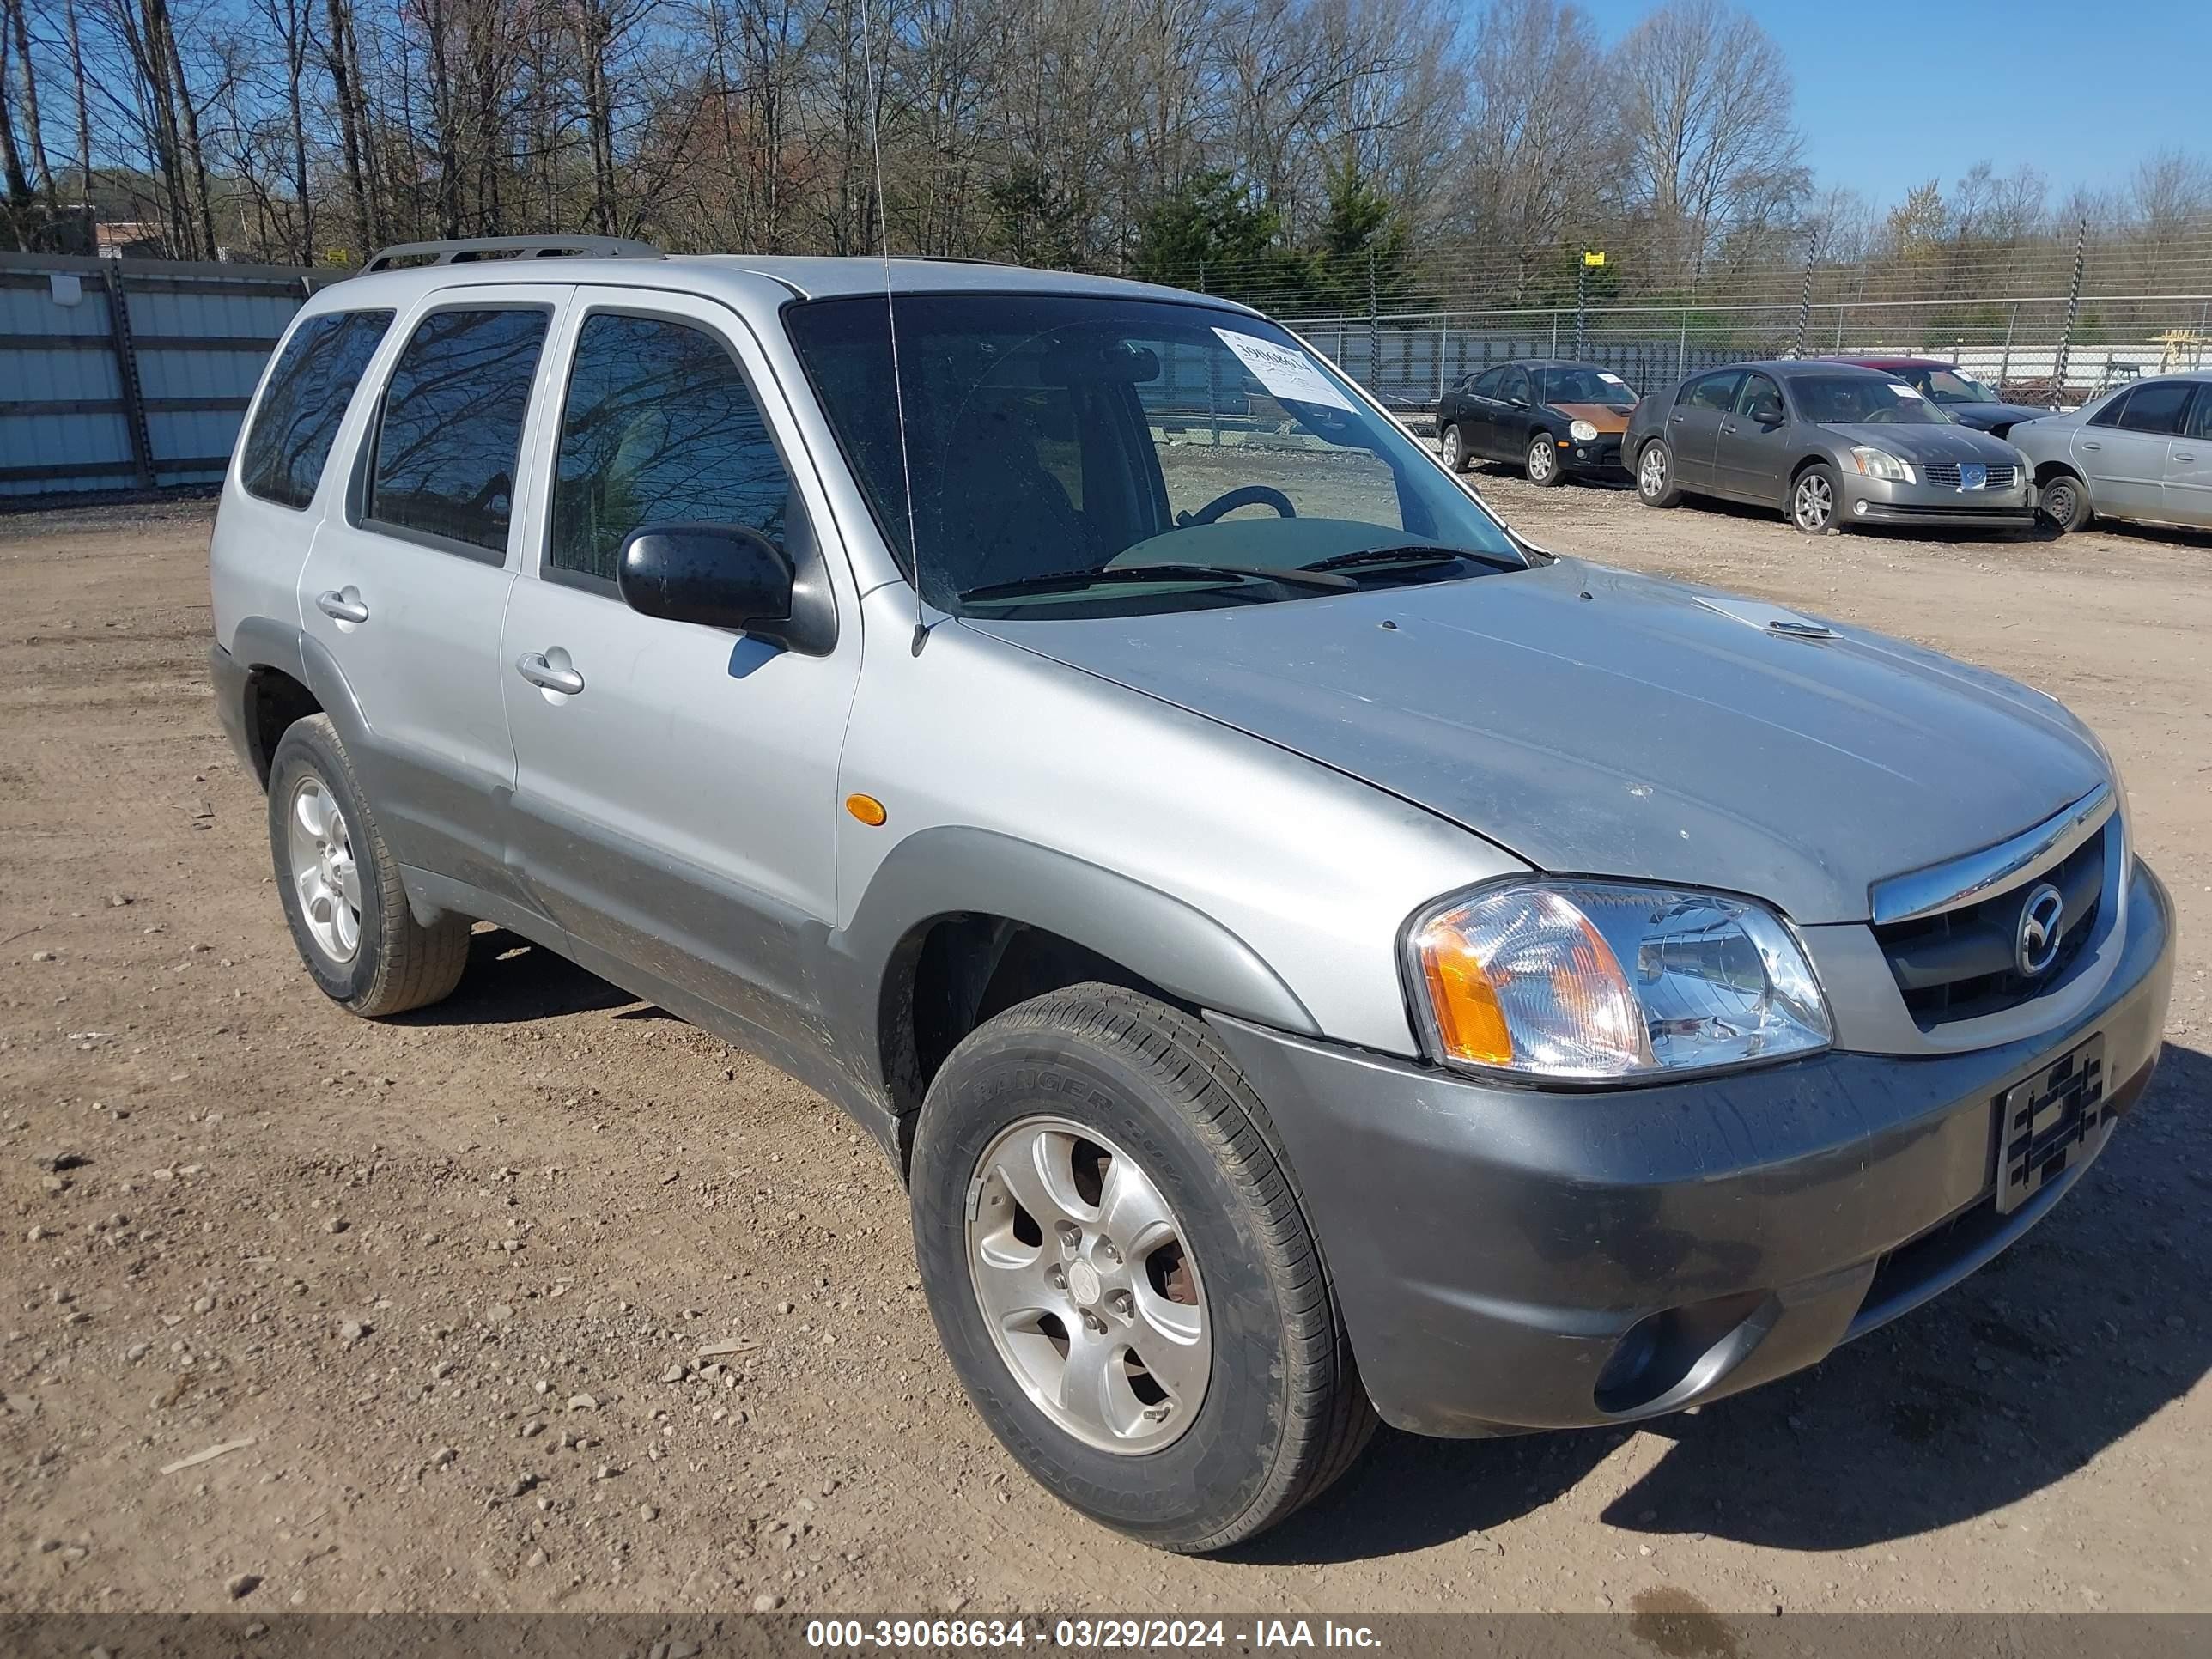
x: 1858, y: 509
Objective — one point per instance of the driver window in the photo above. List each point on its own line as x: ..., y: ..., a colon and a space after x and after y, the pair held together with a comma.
x: 1515, y: 386
x: 659, y: 425
x: 1488, y: 384
x: 1760, y: 400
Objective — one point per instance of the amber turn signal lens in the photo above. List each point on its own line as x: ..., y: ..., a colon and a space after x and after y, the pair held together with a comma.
x: 867, y: 808
x: 1469, y: 1021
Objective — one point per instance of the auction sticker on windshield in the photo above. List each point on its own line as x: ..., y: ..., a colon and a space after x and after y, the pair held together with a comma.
x: 1285, y: 371
x: 1903, y: 391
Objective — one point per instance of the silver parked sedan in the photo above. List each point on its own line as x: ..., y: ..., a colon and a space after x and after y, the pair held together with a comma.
x: 2141, y: 452
x: 1830, y: 444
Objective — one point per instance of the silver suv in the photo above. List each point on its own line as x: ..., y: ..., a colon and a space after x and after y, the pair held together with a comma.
x: 1312, y: 955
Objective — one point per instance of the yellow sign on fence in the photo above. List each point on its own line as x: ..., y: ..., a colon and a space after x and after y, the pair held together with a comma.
x: 1594, y: 258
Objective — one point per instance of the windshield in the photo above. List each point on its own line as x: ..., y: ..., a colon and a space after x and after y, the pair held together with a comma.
x: 1862, y: 400
x: 1947, y: 385
x: 1584, y: 386
x: 1071, y: 455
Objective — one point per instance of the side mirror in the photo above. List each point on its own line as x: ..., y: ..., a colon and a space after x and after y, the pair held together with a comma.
x: 719, y: 576
x: 1767, y: 414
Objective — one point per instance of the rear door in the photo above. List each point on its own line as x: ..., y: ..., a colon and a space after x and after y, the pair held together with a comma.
x: 676, y: 799
x: 2124, y: 448
x: 1693, y: 425
x: 405, y: 589
x: 2188, y: 488
x: 1749, y: 459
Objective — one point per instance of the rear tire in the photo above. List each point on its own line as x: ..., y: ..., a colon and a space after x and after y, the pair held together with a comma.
x: 1541, y: 462
x: 1453, y: 448
x: 1815, y: 501
x: 341, y: 889
x: 2063, y: 504
x: 1655, y: 475
x: 1077, y: 1081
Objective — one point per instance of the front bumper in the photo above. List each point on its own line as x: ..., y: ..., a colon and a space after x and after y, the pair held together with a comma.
x: 1875, y: 501
x: 1494, y: 1247
x: 1602, y: 456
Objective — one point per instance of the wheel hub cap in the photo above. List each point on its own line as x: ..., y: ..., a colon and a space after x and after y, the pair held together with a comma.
x: 319, y: 852
x: 1086, y: 1283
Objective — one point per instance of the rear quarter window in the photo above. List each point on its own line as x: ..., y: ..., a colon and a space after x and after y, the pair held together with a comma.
x: 303, y: 404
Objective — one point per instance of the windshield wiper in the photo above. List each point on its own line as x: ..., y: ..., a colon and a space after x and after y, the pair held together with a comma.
x: 1065, y: 581
x: 1419, y: 555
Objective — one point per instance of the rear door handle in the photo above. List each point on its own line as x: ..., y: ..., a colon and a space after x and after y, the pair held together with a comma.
x: 533, y: 666
x: 2086, y: 445
x: 342, y: 606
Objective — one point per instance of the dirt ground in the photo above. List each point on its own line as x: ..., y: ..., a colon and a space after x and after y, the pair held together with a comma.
x: 441, y: 1285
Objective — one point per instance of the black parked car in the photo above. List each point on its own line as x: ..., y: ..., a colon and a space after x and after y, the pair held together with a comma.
x: 1553, y: 418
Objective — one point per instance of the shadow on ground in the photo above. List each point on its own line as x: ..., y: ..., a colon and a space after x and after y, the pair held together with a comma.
x: 2015, y: 1379
x: 510, y: 982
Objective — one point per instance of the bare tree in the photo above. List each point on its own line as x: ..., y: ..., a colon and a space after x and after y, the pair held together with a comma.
x: 1706, y: 103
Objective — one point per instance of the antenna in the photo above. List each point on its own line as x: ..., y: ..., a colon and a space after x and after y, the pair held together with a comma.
x: 891, y: 315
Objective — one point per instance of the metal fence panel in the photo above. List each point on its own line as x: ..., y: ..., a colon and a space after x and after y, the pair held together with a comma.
x: 86, y: 405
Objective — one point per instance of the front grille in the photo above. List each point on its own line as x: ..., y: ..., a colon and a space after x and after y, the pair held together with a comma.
x: 1945, y: 474
x: 1962, y: 963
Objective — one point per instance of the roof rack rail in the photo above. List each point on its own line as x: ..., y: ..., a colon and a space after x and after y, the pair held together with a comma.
x: 469, y: 250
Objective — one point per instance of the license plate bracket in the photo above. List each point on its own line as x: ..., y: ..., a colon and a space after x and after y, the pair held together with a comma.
x: 2046, y: 1123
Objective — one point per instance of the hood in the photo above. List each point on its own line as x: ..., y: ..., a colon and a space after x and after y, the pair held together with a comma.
x: 1606, y: 417
x: 1984, y: 415
x: 1928, y: 443
x: 1597, y: 722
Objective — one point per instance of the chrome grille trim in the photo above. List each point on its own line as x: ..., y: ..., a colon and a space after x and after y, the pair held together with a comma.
x: 1968, y: 880
x: 1945, y: 474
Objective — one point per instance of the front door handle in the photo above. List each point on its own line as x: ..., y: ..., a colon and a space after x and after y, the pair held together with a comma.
x: 1728, y: 426
x: 2183, y: 455
x: 2086, y: 444
x: 533, y: 666
x: 343, y: 606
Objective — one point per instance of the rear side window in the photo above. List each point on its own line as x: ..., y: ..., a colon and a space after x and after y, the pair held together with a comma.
x: 452, y: 426
x: 2111, y: 413
x: 2157, y: 408
x: 303, y: 402
x: 658, y: 427
x: 2200, y: 418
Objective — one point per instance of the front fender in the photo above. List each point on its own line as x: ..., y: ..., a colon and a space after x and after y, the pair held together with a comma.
x: 954, y: 870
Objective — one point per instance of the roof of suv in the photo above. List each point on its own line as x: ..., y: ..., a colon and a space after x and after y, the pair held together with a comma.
x: 806, y: 277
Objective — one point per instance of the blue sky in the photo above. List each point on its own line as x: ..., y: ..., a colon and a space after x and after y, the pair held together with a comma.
x: 1890, y: 92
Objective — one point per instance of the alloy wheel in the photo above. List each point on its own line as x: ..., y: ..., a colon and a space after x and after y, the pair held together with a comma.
x: 1453, y: 449
x: 1813, y: 503
x: 318, y: 848
x: 1088, y: 1285
x: 1540, y: 460
x: 1652, y: 471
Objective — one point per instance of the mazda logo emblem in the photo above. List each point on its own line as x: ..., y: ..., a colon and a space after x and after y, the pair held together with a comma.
x: 2042, y: 919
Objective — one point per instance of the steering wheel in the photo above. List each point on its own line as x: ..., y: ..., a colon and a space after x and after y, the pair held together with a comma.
x: 1244, y: 496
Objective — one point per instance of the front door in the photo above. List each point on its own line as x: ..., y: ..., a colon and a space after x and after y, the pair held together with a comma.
x: 676, y: 797
x: 2188, y: 491
x: 405, y: 587
x: 1748, y: 462
x: 1693, y: 426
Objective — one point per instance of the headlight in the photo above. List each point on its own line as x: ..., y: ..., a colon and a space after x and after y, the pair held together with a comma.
x: 1584, y: 981
x: 1881, y: 464
x: 1583, y: 432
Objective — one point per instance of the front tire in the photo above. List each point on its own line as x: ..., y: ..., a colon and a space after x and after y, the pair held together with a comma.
x: 1813, y: 501
x: 1655, y: 475
x: 1542, y: 462
x: 2063, y: 504
x: 1136, y: 1306
x: 1454, y: 448
x: 341, y: 888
